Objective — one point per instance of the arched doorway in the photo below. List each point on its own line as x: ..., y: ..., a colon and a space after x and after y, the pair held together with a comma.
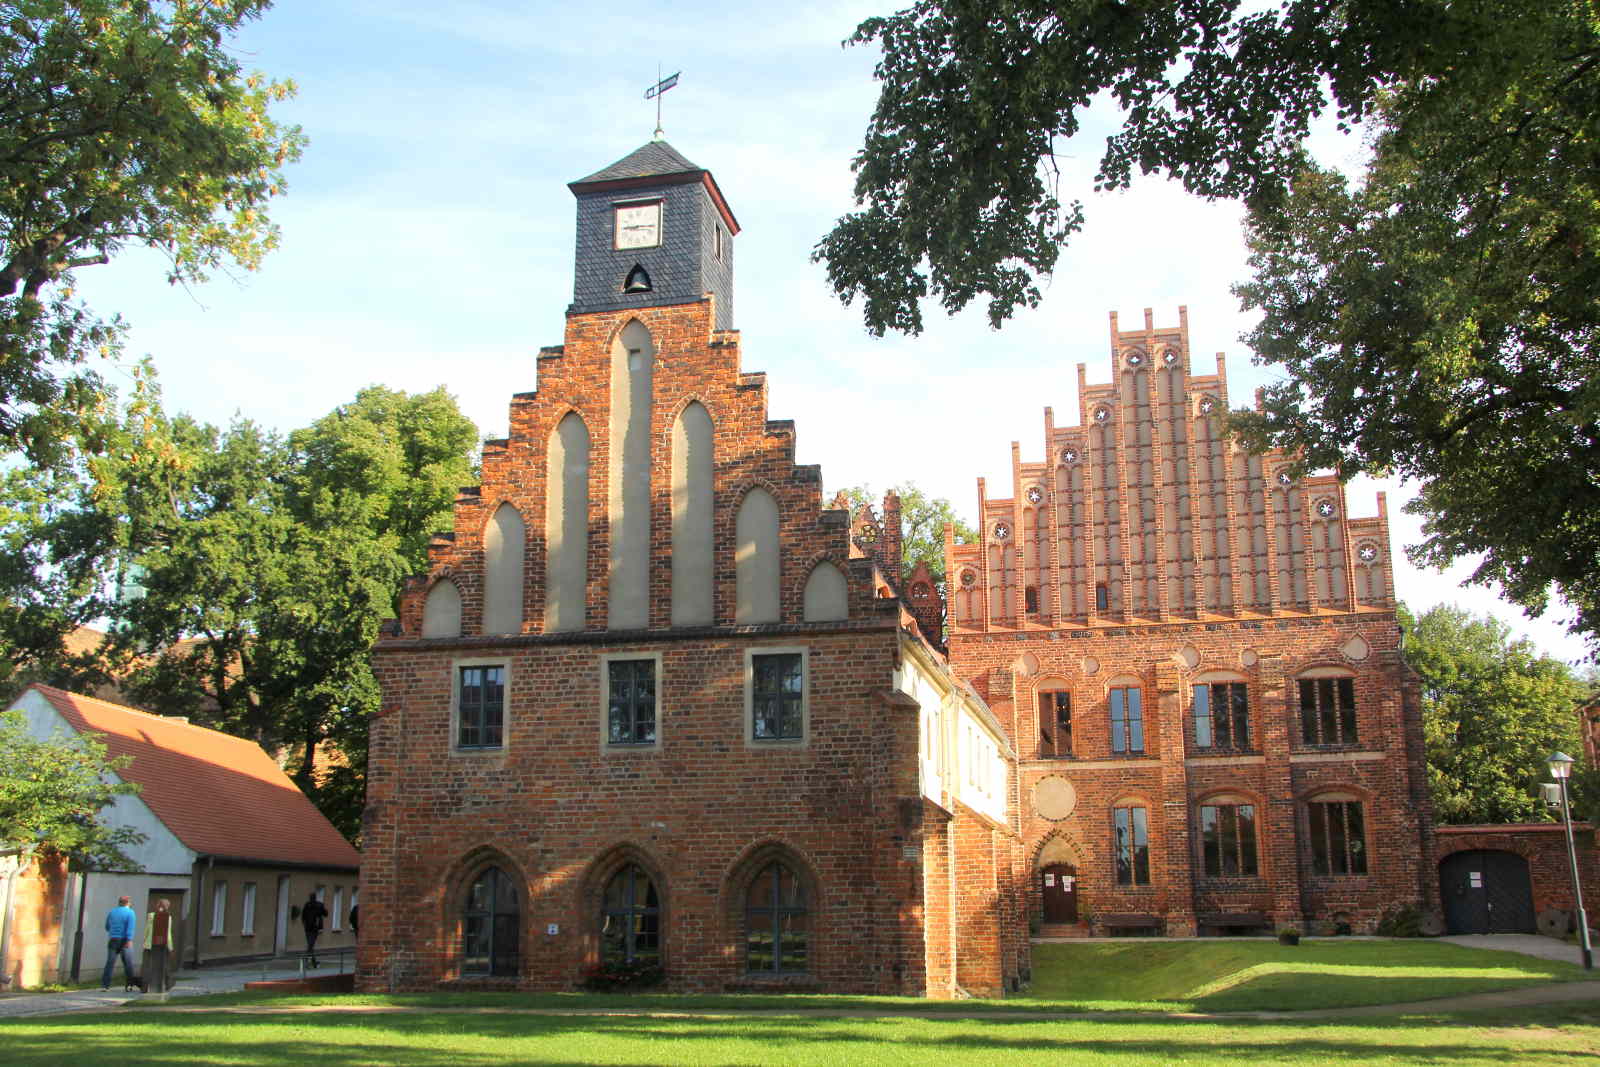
x: 1058, y: 887
x: 1486, y: 892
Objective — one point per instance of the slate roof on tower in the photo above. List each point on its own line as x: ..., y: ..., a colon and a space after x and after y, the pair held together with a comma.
x: 651, y: 160
x: 220, y: 795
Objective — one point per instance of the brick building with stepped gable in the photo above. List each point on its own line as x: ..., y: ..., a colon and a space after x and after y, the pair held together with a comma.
x: 1195, y: 653
x: 653, y: 705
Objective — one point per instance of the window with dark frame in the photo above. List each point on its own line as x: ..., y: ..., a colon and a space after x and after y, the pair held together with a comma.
x: 631, y: 702
x: 1328, y: 711
x: 1133, y: 845
x: 1030, y: 599
x: 489, y: 926
x: 1338, y: 837
x: 630, y: 919
x: 1055, y: 723
x: 1228, y: 840
x: 777, y: 691
x: 480, y: 707
x: 1127, y: 720
x: 1102, y: 601
x: 1222, y: 716
x: 776, y: 923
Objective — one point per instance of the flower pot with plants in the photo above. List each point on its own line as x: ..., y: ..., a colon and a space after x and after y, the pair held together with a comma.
x: 1288, y: 936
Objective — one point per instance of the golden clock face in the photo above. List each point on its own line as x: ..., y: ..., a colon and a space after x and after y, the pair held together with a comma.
x: 639, y: 225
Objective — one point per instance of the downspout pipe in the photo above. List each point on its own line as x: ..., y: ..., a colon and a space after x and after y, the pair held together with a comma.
x: 77, y: 935
x: 199, y: 896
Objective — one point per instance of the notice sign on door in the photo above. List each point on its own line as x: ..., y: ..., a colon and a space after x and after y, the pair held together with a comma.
x: 1049, y: 879
x: 1475, y: 879
x: 1066, y: 883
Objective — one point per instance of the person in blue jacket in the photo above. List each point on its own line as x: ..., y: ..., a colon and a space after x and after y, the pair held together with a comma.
x: 120, y: 926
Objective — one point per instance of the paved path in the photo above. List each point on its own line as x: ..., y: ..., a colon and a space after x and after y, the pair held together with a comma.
x: 1546, y: 948
x: 190, y: 983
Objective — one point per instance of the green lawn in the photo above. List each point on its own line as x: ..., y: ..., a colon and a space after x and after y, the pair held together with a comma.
x: 489, y: 1028
x: 1541, y: 1035
x: 1132, y: 975
x: 1218, y: 976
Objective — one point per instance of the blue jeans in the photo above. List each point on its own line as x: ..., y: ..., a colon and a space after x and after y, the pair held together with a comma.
x: 115, y: 947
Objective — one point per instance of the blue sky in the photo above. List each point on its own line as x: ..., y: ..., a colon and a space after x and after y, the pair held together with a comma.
x: 427, y: 239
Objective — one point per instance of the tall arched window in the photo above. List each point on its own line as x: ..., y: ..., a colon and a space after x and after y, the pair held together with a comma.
x: 630, y: 919
x: 489, y: 926
x: 776, y: 923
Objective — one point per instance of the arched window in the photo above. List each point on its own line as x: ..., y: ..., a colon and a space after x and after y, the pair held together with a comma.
x: 776, y: 924
x: 1327, y: 706
x: 489, y: 926
x: 630, y: 919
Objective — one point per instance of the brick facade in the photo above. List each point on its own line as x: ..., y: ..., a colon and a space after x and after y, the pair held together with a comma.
x: 867, y: 811
x: 1147, y: 555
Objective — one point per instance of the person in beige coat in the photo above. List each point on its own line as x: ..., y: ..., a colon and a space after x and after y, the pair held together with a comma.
x: 159, y: 965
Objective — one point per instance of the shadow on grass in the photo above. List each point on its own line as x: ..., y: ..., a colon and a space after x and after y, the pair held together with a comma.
x: 140, y: 1038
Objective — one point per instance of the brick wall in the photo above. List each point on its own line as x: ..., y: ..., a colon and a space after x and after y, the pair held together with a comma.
x: 559, y: 811
x: 38, y: 899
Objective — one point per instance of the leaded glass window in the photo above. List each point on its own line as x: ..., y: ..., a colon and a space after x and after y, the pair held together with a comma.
x: 1127, y: 721
x: 489, y: 926
x: 1328, y: 711
x: 1228, y: 840
x: 1338, y: 837
x: 630, y: 918
x: 776, y: 922
x: 1222, y: 716
x: 777, y: 692
x: 1133, y: 846
x: 480, y: 710
x: 631, y: 705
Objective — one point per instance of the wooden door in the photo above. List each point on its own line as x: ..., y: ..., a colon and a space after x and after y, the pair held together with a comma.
x: 1486, y: 892
x: 1059, y: 887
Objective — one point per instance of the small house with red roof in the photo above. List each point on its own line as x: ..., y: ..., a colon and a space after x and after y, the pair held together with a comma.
x: 233, y: 845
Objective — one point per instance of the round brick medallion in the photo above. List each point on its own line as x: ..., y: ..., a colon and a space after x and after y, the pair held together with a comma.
x: 1053, y: 797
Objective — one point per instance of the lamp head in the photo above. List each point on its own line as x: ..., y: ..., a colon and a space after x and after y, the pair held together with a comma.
x: 1560, y: 765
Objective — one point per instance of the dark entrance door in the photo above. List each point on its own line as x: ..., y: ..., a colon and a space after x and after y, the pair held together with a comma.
x: 1059, y: 885
x: 1486, y: 893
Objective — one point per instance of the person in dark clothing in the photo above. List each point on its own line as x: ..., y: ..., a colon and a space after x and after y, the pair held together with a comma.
x: 355, y: 918
x: 312, y: 915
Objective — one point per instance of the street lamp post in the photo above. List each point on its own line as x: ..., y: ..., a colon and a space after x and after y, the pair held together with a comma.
x: 1560, y: 768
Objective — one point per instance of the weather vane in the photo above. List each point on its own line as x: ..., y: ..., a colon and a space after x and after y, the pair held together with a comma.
x: 655, y: 92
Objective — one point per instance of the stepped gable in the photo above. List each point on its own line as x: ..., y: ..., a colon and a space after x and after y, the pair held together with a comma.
x: 1145, y: 511
x: 693, y: 363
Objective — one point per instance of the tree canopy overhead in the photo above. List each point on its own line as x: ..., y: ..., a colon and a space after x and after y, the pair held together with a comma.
x: 1435, y: 318
x: 122, y: 122
x: 956, y: 180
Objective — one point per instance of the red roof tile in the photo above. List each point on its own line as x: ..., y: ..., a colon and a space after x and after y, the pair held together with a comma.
x: 221, y: 795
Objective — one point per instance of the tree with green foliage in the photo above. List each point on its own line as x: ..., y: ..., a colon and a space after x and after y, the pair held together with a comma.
x: 245, y: 574
x: 267, y: 565
x: 52, y: 793
x: 1438, y: 321
x: 922, y: 523
x: 122, y: 123
x: 1492, y: 710
x: 957, y: 180
x: 1435, y: 318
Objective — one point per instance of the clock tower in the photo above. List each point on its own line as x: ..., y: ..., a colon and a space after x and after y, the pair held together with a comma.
x: 653, y: 230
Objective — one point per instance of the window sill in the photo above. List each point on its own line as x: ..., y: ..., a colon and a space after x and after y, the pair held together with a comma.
x: 477, y: 750
x: 1202, y: 752
x: 775, y: 983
